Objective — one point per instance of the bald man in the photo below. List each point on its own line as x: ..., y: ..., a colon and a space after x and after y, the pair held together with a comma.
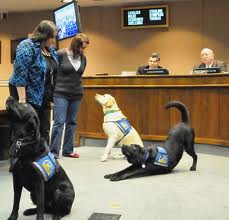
x: 208, y: 60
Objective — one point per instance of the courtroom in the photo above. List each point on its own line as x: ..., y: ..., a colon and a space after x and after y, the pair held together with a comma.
x: 114, y: 109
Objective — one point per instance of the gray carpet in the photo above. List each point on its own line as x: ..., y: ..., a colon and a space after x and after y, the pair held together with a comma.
x: 200, y: 195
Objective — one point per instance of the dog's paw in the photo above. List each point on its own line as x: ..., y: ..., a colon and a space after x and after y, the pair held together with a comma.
x: 193, y: 169
x: 118, y: 156
x: 31, y: 211
x: 108, y: 176
x: 104, y: 158
x: 13, y: 217
x: 56, y: 217
x: 116, y: 178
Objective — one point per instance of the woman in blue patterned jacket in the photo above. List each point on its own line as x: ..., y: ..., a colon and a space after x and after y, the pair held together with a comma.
x: 35, y: 67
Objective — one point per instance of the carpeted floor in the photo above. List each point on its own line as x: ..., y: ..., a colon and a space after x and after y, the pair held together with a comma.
x: 200, y: 195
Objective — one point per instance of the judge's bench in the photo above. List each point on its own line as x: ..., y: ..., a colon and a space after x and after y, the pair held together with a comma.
x: 142, y: 98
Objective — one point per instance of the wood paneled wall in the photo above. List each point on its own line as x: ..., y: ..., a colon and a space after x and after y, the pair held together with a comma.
x: 193, y: 25
x: 4, y: 91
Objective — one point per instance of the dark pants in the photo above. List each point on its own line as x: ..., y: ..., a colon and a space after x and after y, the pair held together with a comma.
x: 43, y: 113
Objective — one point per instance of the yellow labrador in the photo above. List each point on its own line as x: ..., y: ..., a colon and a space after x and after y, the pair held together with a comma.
x: 115, y: 125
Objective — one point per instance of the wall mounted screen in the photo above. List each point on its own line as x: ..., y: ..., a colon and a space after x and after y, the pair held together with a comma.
x: 145, y: 17
x: 67, y: 20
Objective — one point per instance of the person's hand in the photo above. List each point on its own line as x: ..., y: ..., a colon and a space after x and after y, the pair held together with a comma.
x: 22, y: 100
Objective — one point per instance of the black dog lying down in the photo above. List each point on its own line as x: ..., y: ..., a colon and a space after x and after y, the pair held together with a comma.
x: 54, y: 196
x: 148, y: 162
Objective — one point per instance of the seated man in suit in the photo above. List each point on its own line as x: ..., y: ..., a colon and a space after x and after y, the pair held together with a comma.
x: 153, y: 63
x: 207, y: 57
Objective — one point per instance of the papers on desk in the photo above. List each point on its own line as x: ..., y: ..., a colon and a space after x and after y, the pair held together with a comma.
x: 128, y: 73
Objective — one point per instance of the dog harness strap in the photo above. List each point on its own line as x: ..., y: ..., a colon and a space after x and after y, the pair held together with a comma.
x: 147, y: 156
x: 161, y: 157
x: 124, y: 126
x: 47, y: 166
x: 111, y: 111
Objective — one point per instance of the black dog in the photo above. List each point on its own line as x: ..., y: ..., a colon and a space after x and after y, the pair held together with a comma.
x: 149, y: 162
x: 54, y: 196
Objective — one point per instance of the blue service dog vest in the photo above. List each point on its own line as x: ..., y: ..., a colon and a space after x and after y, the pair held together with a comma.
x: 124, y: 126
x: 161, y: 157
x: 47, y: 166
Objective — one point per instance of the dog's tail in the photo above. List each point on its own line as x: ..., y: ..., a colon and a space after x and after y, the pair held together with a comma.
x: 31, y: 211
x: 181, y: 107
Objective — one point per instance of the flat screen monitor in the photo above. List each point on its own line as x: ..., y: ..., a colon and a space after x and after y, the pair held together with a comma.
x: 156, y: 71
x: 145, y: 17
x: 67, y: 20
x: 207, y: 70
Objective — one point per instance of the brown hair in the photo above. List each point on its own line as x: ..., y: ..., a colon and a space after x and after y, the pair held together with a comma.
x: 44, y: 30
x: 77, y: 43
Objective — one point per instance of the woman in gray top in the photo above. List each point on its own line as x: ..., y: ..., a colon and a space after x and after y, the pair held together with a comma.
x: 68, y: 93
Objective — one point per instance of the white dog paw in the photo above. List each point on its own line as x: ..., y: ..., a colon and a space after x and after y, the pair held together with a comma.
x: 104, y: 158
x: 118, y: 156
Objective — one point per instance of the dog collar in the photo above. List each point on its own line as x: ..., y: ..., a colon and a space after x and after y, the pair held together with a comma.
x: 111, y: 111
x: 18, y: 145
x: 22, y: 142
x: 145, y: 159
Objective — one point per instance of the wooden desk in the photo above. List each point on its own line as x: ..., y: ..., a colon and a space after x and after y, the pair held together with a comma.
x: 142, y: 99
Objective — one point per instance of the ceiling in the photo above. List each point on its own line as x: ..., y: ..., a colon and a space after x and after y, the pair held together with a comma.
x: 37, y: 5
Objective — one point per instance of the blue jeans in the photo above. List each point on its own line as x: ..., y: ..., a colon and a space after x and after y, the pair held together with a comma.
x: 65, y: 112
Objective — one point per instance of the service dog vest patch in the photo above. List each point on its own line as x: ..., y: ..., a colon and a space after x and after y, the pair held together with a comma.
x: 124, y: 126
x: 162, y: 158
x: 46, y: 165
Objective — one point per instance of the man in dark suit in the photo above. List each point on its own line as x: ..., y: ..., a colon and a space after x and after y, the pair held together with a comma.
x: 153, y: 63
x: 207, y: 57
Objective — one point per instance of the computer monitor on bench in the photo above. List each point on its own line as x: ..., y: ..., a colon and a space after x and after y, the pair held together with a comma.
x: 156, y: 71
x: 207, y: 70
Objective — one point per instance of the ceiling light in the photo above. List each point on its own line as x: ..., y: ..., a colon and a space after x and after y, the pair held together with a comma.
x: 66, y: 1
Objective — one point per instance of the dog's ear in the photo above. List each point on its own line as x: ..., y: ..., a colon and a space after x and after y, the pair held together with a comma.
x: 124, y: 145
x: 36, y: 125
x: 109, y: 103
x: 9, y: 102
